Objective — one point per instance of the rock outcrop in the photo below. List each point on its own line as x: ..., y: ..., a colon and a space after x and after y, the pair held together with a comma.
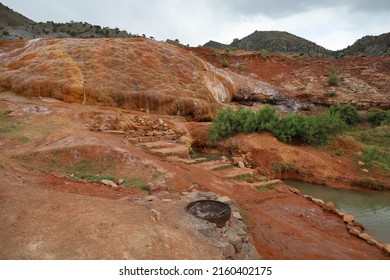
x: 137, y: 74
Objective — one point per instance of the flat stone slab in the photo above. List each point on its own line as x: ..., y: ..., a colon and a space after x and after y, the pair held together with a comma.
x: 178, y: 150
x: 215, y: 165
x: 157, y: 145
x: 237, y: 172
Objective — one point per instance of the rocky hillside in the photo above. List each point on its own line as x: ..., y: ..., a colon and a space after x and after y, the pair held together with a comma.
x: 359, y: 80
x: 369, y: 45
x: 286, y: 43
x: 279, y: 42
x: 16, y: 26
x: 136, y: 73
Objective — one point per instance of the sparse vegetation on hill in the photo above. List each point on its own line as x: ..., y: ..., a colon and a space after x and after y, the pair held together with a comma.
x: 16, y: 26
x: 284, y: 42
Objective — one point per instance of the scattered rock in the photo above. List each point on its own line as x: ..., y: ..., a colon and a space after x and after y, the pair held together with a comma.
x: 236, y: 241
x: 237, y: 215
x: 224, y: 199
x: 294, y: 190
x: 361, y: 163
x: 208, y: 195
x: 229, y: 251
x: 236, y: 160
x: 207, y: 231
x: 364, y: 170
x: 120, y: 181
x: 318, y: 201
x: 156, y: 216
x: 109, y: 183
x: 348, y: 219
x: 354, y: 231
x: 329, y: 206
x: 251, y: 252
x: 150, y: 198
x: 223, y: 158
x: 365, y: 236
x: 241, y: 164
x: 338, y: 212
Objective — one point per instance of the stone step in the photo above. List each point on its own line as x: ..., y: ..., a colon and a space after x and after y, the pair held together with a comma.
x: 237, y: 172
x: 178, y: 159
x: 200, y: 160
x: 216, y: 165
x: 145, y: 139
x: 177, y: 150
x: 264, y: 184
x: 157, y: 145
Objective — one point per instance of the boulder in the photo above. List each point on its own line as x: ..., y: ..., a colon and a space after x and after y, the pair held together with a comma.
x: 348, y: 219
x: 329, y: 206
x: 236, y: 160
x: 236, y: 241
x: 109, y: 183
x: 223, y: 158
x: 237, y: 215
x: 240, y: 164
x: 354, y: 231
x: 229, y: 251
x: 224, y: 199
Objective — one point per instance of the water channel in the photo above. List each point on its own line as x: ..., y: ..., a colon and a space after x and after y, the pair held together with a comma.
x: 370, y: 208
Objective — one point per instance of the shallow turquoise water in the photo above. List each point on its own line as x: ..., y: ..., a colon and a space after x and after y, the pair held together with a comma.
x: 370, y: 208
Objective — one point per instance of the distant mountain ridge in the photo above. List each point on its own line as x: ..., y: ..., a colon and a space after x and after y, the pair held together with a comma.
x: 16, y: 26
x: 284, y: 42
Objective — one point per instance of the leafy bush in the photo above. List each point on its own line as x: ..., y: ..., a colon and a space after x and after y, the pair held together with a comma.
x: 264, y: 54
x: 378, y: 117
x: 315, y: 129
x: 225, y: 64
x: 330, y: 94
x: 347, y: 113
x: 332, y: 77
x: 337, y: 153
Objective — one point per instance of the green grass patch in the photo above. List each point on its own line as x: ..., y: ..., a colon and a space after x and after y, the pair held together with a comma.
x: 371, y: 184
x: 267, y: 187
x: 222, y: 167
x: 137, y: 183
x: 337, y: 153
x: 372, y: 156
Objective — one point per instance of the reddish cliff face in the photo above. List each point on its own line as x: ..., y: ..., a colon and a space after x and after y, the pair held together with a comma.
x: 138, y: 74
x: 360, y: 80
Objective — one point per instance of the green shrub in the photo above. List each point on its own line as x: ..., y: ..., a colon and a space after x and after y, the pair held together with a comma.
x: 332, y: 77
x: 225, y: 64
x: 370, y: 154
x: 315, y: 129
x: 330, y: 94
x: 264, y: 54
x: 347, y: 113
x: 337, y: 153
x: 378, y: 117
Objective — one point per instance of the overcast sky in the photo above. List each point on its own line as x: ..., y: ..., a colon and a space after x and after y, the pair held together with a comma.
x: 334, y: 24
